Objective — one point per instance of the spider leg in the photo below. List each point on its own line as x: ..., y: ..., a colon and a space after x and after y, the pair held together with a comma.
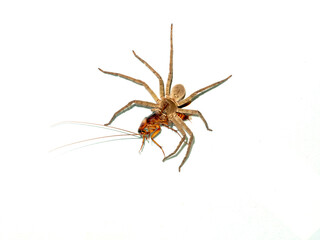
x: 161, y: 85
x: 180, y: 124
x: 137, y: 81
x: 201, y: 91
x: 169, y: 81
x: 130, y: 105
x: 183, y: 139
x: 194, y: 113
x: 182, y: 128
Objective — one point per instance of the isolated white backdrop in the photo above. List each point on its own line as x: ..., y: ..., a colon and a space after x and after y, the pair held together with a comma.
x: 256, y: 176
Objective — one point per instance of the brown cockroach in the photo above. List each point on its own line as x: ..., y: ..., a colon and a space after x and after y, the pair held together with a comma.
x: 150, y: 127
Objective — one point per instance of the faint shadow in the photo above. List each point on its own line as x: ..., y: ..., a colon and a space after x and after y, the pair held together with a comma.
x: 315, y: 236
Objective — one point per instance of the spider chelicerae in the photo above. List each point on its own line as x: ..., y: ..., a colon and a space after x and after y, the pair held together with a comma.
x: 168, y: 110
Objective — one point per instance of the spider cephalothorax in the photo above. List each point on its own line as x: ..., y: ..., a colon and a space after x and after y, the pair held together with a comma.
x: 168, y: 110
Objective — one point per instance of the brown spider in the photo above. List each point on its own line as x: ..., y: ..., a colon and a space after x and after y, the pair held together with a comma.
x: 168, y: 109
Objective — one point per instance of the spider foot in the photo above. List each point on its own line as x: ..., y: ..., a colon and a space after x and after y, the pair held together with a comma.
x: 165, y: 158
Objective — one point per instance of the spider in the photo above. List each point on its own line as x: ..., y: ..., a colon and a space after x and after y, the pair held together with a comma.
x: 168, y: 110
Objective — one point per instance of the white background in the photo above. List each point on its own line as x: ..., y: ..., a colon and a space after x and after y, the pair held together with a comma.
x: 256, y: 176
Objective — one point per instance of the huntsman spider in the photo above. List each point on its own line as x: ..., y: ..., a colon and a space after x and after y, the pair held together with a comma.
x: 168, y: 110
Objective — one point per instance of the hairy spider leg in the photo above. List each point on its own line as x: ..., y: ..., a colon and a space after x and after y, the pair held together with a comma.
x: 137, y: 81
x: 190, y: 142
x: 170, y: 75
x: 183, y: 139
x: 129, y: 105
x: 161, y: 85
x: 201, y: 91
x: 194, y: 113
